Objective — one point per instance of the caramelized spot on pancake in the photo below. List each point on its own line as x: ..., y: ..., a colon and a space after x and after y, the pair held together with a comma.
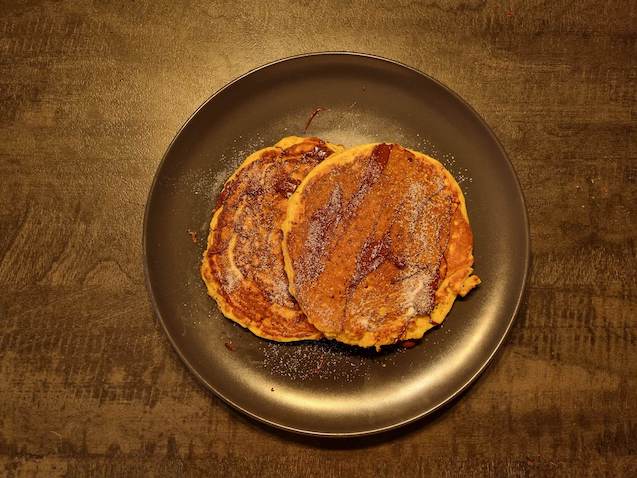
x: 372, y: 254
x: 285, y: 185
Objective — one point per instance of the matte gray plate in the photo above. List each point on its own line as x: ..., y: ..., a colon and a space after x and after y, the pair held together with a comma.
x: 324, y: 388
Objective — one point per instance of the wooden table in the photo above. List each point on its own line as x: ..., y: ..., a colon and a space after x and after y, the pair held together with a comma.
x: 92, y: 93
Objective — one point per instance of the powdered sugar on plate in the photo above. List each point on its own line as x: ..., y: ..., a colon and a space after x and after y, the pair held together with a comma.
x: 323, y: 360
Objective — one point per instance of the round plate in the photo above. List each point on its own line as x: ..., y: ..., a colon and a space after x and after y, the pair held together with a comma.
x: 325, y: 388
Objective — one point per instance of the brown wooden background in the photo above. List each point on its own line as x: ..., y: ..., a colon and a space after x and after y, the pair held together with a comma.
x: 91, y: 93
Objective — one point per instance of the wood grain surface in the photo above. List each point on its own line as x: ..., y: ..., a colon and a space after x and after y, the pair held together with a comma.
x: 91, y: 93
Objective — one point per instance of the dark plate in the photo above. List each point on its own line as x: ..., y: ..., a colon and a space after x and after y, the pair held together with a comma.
x: 323, y: 388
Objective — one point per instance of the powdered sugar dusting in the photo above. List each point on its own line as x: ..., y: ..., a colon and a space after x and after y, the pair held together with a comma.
x: 230, y: 280
x: 310, y: 264
x: 208, y: 182
x: 351, y: 126
x: 415, y: 206
x: 417, y: 293
x: 462, y: 175
x: 324, y: 361
x: 415, y: 202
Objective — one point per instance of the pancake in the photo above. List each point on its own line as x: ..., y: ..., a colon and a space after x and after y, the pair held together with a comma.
x: 377, y: 245
x: 243, y: 263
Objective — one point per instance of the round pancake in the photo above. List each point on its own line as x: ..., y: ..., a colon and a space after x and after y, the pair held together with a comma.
x: 243, y: 263
x: 377, y: 245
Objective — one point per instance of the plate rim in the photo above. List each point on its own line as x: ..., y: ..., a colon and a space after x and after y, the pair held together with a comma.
x: 315, y: 433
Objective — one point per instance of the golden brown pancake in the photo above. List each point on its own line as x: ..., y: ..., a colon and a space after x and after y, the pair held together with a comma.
x: 377, y: 245
x: 243, y: 263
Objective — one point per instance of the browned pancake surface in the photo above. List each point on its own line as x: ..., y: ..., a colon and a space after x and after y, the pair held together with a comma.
x: 375, y: 242
x: 243, y: 264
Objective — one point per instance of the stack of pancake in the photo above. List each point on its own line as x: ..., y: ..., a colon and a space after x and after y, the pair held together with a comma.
x: 369, y: 246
